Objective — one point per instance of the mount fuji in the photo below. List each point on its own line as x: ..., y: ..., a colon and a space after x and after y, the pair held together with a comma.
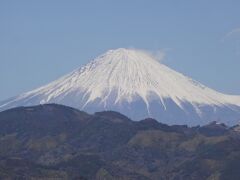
x: 134, y: 83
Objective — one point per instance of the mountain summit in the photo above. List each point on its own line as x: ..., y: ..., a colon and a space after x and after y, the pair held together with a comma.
x: 134, y: 83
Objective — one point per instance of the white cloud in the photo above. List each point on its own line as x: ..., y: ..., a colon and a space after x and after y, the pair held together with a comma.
x: 231, y: 33
x: 160, y: 54
x: 235, y: 38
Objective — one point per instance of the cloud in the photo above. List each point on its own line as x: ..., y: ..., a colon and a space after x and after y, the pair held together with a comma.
x: 159, y: 54
x: 235, y: 39
x: 233, y: 32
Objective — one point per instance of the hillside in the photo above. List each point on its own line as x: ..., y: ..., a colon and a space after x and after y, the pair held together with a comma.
x: 55, y: 141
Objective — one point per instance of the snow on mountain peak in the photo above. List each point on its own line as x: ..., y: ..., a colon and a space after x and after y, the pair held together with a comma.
x: 119, y: 78
x: 136, y: 73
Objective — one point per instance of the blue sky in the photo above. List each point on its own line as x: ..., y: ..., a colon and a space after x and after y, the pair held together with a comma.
x: 43, y: 40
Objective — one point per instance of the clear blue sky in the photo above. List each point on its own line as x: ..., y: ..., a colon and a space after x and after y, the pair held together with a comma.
x: 43, y: 40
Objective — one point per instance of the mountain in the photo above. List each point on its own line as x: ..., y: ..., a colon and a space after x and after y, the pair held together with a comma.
x: 132, y: 82
x: 58, y: 142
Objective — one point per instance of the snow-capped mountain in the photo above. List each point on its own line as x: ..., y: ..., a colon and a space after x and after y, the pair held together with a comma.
x: 134, y: 83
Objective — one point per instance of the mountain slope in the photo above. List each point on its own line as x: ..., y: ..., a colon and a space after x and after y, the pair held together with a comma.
x: 134, y: 83
x: 59, y: 142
